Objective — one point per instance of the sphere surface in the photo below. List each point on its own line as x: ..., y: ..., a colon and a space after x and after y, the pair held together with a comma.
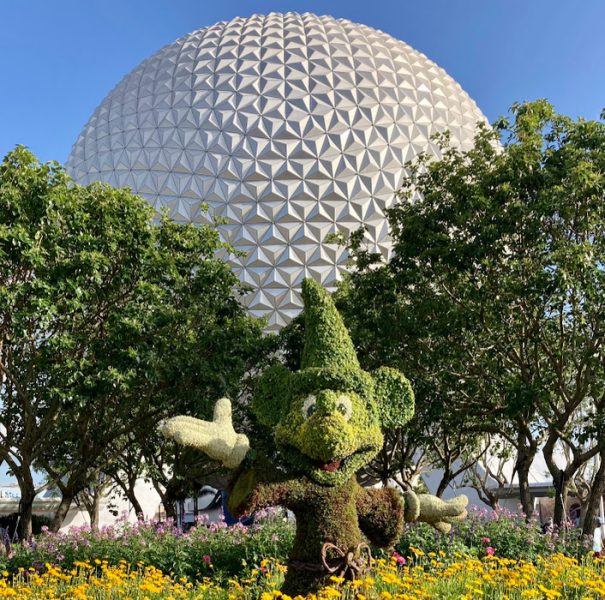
x: 289, y: 126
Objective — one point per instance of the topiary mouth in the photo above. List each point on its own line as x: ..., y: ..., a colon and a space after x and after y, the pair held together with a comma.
x: 330, y: 467
x: 325, y: 471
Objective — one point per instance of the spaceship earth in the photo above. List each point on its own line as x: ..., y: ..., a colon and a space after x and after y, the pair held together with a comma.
x: 290, y: 127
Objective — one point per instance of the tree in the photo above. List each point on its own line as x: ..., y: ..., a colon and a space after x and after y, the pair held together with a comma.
x: 92, y: 496
x: 126, y: 469
x: 183, y: 341
x: 57, y: 282
x: 490, y: 476
x: 108, y: 323
x: 498, y: 265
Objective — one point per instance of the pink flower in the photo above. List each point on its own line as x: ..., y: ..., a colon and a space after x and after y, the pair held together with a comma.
x: 485, y: 540
x: 400, y: 560
x: 206, y: 559
x: 489, y: 551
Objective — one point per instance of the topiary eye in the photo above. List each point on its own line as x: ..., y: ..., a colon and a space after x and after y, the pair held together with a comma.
x: 309, y: 406
x: 344, y: 407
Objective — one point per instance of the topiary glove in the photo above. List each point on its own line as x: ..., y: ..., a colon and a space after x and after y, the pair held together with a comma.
x: 216, y: 438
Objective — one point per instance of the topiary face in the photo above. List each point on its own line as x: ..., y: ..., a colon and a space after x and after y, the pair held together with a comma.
x: 327, y: 417
x: 329, y: 434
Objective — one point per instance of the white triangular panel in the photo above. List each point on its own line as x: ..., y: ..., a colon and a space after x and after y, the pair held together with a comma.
x: 291, y: 126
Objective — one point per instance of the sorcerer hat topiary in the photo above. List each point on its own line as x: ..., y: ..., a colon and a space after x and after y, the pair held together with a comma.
x: 328, y: 344
x: 329, y: 361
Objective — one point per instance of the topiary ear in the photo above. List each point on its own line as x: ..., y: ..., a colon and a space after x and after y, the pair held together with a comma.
x: 271, y: 397
x: 394, y: 396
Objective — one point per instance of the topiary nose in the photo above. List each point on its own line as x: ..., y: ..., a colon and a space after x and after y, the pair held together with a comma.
x: 327, y: 437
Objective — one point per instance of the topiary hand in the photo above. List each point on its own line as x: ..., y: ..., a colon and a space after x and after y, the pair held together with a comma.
x: 442, y: 513
x: 430, y: 509
x: 216, y: 438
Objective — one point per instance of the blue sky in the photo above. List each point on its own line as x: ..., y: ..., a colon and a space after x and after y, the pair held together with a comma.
x: 59, y: 59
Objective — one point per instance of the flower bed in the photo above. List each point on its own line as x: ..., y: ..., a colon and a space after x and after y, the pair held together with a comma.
x: 222, y: 552
x: 504, y: 534
x: 494, y: 554
x: 206, y: 549
x: 423, y: 576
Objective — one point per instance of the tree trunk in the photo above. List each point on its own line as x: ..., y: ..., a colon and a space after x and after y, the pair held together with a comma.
x: 136, y: 505
x: 490, y: 499
x: 94, y: 510
x: 61, y: 512
x: 170, y: 508
x: 478, y: 481
x: 596, y: 493
x: 525, y: 458
x: 445, y: 481
x: 26, y: 510
x: 91, y: 499
x: 128, y: 488
x: 173, y: 494
x: 561, y: 485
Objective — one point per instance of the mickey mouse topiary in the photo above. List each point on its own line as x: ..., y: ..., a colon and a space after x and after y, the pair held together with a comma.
x: 327, y: 421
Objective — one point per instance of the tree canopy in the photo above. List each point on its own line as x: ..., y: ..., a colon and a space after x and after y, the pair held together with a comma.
x: 492, y: 302
x: 109, y: 322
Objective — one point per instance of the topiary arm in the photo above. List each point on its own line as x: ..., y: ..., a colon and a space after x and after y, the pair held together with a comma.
x: 435, y: 511
x: 380, y: 513
x: 257, y: 488
x: 216, y: 438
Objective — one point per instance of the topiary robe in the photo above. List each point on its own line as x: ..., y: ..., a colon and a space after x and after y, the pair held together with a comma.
x: 337, y: 515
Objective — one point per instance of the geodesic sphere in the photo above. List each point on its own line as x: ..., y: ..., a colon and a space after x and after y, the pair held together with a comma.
x: 290, y: 126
